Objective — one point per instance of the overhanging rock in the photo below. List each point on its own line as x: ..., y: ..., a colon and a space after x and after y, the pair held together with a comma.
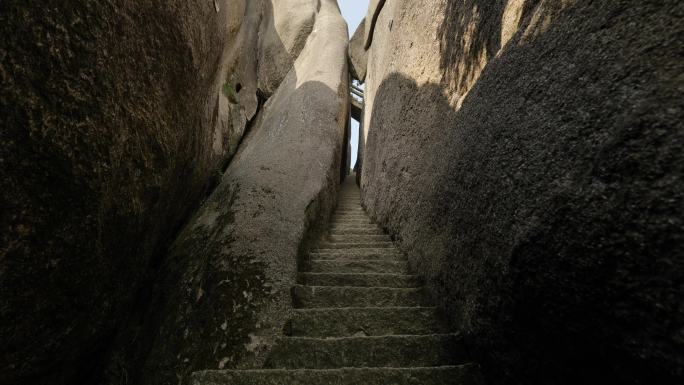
x: 358, y: 57
x: 374, y: 9
x: 237, y: 259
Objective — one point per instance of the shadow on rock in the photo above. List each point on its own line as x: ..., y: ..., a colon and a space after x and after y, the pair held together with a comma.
x: 546, y: 213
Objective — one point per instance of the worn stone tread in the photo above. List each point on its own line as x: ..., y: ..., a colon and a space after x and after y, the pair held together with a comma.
x: 350, y: 216
x: 357, y: 231
x: 360, y: 280
x: 383, y: 351
x: 365, y: 321
x: 358, y: 254
x: 467, y: 374
x: 351, y: 221
x: 355, y: 245
x: 346, y: 227
x: 358, y: 266
x: 361, y: 219
x: 359, y: 238
x: 353, y: 296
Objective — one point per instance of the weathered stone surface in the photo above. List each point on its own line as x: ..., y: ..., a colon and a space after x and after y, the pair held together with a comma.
x: 531, y: 160
x: 334, y: 246
x: 355, y: 253
x: 331, y: 296
x: 369, y: 321
x: 358, y: 57
x: 444, y: 375
x: 351, y: 230
x: 368, y: 352
x: 374, y: 8
x: 362, y: 280
x: 110, y: 135
x: 226, y: 293
x: 358, y: 266
x: 240, y: 61
x: 281, y: 40
x: 359, y: 237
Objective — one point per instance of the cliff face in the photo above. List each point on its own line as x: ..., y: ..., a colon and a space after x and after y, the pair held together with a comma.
x: 528, y: 155
x: 105, y: 108
x: 117, y: 120
x: 226, y: 293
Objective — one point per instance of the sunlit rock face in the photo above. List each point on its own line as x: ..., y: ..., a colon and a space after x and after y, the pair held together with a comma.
x: 225, y: 295
x: 282, y: 38
x: 117, y: 121
x: 358, y: 57
x: 528, y: 155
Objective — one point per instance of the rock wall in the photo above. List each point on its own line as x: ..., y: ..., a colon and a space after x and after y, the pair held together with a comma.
x: 117, y: 120
x: 529, y: 156
x: 283, y: 38
x: 104, y: 108
x: 358, y: 57
x: 225, y: 295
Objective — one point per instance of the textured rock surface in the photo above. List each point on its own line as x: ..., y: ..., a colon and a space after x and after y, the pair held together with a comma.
x: 104, y: 109
x: 446, y: 375
x: 357, y: 53
x: 281, y: 40
x: 226, y: 292
x: 374, y: 8
x: 529, y: 155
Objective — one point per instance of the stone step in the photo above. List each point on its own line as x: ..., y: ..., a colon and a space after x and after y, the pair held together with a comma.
x: 359, y: 238
x: 355, y: 220
x: 387, y: 254
x: 355, y: 245
x: 347, y: 222
x: 345, y: 217
x: 359, y: 318
x: 346, y: 227
x: 360, y: 280
x: 367, y: 352
x: 351, y: 214
x: 358, y: 220
x: 305, y: 297
x: 467, y: 374
x: 356, y: 231
x: 358, y: 266
x: 334, y: 224
x: 357, y: 322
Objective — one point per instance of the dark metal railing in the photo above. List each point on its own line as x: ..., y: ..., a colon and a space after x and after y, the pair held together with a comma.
x: 356, y: 91
x: 356, y: 101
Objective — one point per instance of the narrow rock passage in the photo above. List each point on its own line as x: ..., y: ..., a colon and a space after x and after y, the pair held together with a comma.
x: 361, y: 318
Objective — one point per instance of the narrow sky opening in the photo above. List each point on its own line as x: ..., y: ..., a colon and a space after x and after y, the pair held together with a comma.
x: 353, y: 12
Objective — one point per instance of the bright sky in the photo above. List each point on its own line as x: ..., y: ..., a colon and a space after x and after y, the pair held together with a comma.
x: 353, y: 11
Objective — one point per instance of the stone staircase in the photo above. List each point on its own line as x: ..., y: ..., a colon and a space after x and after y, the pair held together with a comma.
x: 361, y: 318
